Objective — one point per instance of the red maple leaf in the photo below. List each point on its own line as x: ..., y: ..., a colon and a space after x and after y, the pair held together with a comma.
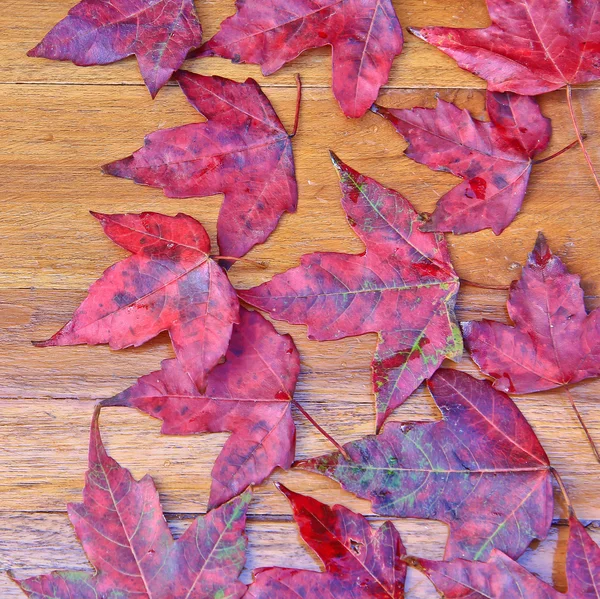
x: 554, y: 342
x: 169, y: 283
x: 360, y: 563
x: 124, y: 533
x: 531, y: 47
x: 403, y: 287
x: 249, y: 395
x: 502, y: 578
x: 365, y: 37
x: 243, y: 151
x: 160, y: 33
x: 493, y: 158
x: 481, y: 470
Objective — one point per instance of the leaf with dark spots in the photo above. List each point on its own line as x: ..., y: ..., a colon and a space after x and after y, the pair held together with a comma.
x: 243, y: 152
x: 360, y: 563
x: 249, y: 395
x: 160, y: 33
x: 481, y: 470
x: 124, y: 533
x: 168, y: 284
x: 365, y: 36
x: 493, y: 158
x: 553, y: 342
x: 502, y: 578
x: 403, y: 287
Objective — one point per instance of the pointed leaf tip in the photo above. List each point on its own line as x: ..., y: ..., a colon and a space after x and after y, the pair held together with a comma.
x: 541, y: 253
x: 335, y: 160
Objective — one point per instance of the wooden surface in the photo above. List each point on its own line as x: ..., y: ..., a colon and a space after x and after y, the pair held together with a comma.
x: 59, y: 123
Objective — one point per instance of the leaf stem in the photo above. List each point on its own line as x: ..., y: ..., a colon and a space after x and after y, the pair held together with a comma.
x: 563, y: 489
x: 298, y: 102
x: 482, y: 286
x: 248, y: 260
x: 321, y: 429
x: 579, y: 136
x: 557, y: 154
x: 583, y: 426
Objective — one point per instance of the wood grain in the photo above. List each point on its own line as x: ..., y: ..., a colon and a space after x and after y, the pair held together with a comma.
x: 61, y: 122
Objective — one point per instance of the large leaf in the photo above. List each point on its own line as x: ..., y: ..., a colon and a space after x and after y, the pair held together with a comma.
x: 403, y: 287
x: 169, y: 283
x: 159, y: 32
x: 249, y: 395
x: 481, y: 470
x: 531, y: 47
x: 365, y: 37
x: 243, y: 151
x: 360, y: 563
x: 502, y: 578
x: 494, y: 158
x: 554, y: 341
x: 124, y: 533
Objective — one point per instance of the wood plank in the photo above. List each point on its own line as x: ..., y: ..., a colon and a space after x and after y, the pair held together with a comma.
x: 44, y: 453
x: 53, y: 179
x: 47, y: 542
x: 25, y: 23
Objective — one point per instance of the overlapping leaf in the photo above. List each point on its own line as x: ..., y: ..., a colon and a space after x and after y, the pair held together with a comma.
x: 169, y: 283
x: 160, y: 33
x: 553, y: 342
x: 360, y: 563
x: 531, y: 47
x: 481, y: 470
x: 243, y: 151
x: 403, y: 287
x: 124, y: 533
x: 365, y: 37
x: 248, y: 395
x: 502, y: 578
x: 493, y: 158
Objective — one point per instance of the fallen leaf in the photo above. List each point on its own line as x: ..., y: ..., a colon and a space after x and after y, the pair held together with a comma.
x: 502, y: 578
x: 169, y: 283
x: 243, y: 151
x: 160, y: 33
x: 531, y: 47
x: 249, y: 395
x: 124, y: 533
x: 360, y: 563
x: 554, y: 341
x: 481, y: 470
x: 365, y: 37
x: 493, y: 158
x: 403, y: 287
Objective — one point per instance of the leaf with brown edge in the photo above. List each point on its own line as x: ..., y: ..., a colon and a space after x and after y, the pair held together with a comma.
x: 359, y: 562
x: 553, y: 342
x: 168, y: 283
x: 403, y: 287
x: 160, y: 33
x: 249, y: 395
x: 493, y: 158
x: 243, y: 151
x: 503, y: 578
x: 127, y: 540
x: 365, y: 37
x: 481, y: 470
